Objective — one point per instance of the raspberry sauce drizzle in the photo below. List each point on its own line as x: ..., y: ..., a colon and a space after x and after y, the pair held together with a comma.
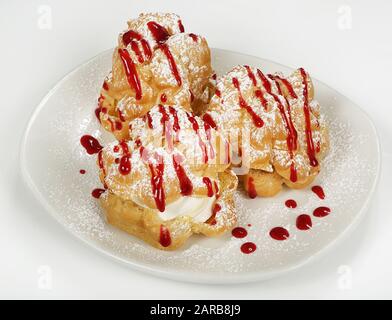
x: 258, y: 122
x: 215, y: 210
x: 164, y: 236
x: 82, y: 171
x: 131, y: 35
x: 287, y: 84
x: 186, y: 186
x: 91, y: 144
x: 125, y: 162
x: 318, y: 190
x: 239, y: 232
x: 194, y: 37
x: 304, y: 222
x: 159, y: 33
x: 208, y: 183
x: 248, y: 247
x: 158, y: 191
x: 308, y: 126
x: 172, y: 63
x: 321, y: 212
x: 208, y: 119
x: 96, y: 193
x: 136, y: 50
x: 251, y: 188
x: 180, y: 26
x: 291, y: 204
x: 279, y: 233
x: 131, y: 73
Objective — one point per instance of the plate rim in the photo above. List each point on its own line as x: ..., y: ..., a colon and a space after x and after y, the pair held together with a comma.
x: 195, y: 276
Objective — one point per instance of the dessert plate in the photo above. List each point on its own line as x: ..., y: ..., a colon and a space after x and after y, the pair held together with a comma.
x: 52, y: 157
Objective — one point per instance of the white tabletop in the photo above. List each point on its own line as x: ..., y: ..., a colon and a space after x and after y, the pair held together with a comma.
x: 346, y: 44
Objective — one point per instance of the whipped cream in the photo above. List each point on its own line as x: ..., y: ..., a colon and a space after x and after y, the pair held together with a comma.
x: 199, y: 208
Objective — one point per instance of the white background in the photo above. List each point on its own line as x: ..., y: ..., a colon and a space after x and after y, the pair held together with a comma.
x: 354, y: 58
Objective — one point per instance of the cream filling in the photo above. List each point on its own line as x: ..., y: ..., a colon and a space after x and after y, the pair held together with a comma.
x: 198, y: 208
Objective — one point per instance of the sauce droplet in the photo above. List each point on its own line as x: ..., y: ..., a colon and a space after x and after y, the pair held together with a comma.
x: 82, y: 171
x: 291, y: 204
x: 96, y: 193
x: 164, y: 236
x: 239, y: 232
x: 251, y: 188
x: 304, y: 222
x: 279, y: 233
x: 321, y: 212
x: 318, y: 190
x: 248, y: 247
x: 91, y: 144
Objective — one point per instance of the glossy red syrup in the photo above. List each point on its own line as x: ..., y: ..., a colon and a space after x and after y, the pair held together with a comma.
x: 96, y: 193
x: 215, y: 210
x: 321, y: 212
x: 97, y: 113
x: 258, y: 122
x: 186, y: 186
x: 259, y: 95
x: 180, y: 26
x: 131, y: 73
x: 82, y: 171
x: 100, y: 162
x: 288, y: 86
x: 130, y: 36
x: 208, y: 119
x: 202, y: 145
x: 149, y: 120
x: 239, y: 232
x: 158, y: 191
x: 164, y: 236
x: 279, y: 233
x: 176, y: 123
x: 91, y: 144
x: 138, y: 53
x: 172, y: 63
x: 251, y: 188
x: 208, y: 183
x: 146, y: 49
x: 291, y: 204
x: 218, y: 93
x: 125, y: 162
x: 159, y: 33
x: 308, y: 126
x: 105, y: 86
x: 318, y: 190
x: 194, y: 37
x: 163, y: 97
x: 248, y: 247
x: 251, y: 75
x: 304, y: 222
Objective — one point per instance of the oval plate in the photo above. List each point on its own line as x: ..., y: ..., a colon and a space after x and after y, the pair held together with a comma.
x: 51, y: 158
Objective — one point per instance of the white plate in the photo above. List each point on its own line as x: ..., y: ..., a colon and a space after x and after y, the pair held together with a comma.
x: 51, y: 158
